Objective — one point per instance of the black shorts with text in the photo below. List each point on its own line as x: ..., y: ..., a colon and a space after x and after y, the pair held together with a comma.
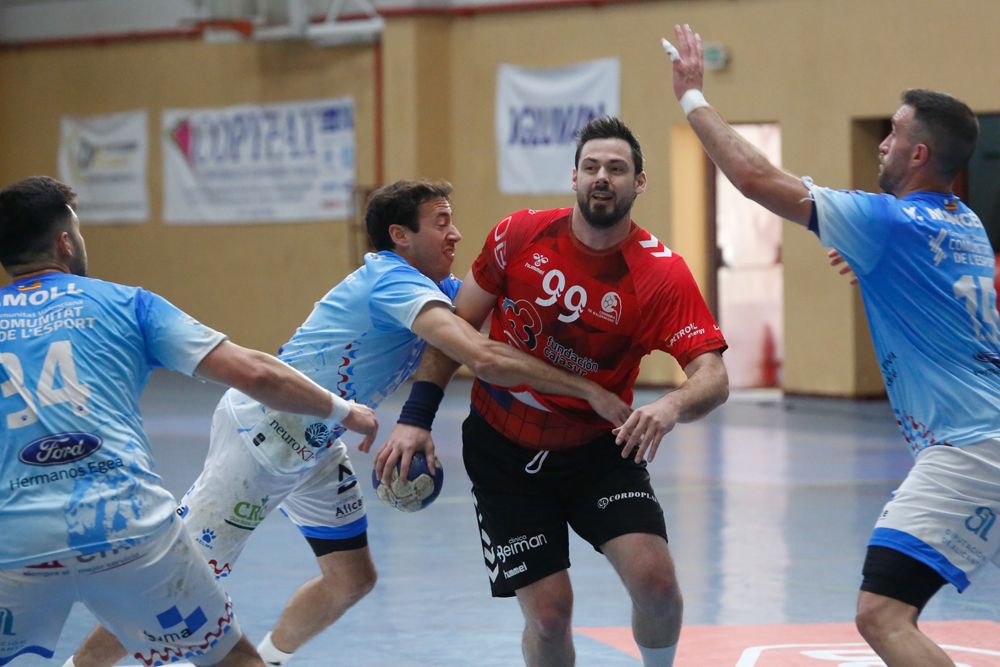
x: 526, y: 498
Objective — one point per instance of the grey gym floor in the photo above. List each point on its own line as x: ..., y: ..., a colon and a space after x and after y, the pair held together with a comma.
x: 769, y: 503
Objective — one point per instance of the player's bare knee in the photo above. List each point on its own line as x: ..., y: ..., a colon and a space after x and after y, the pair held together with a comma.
x: 357, y: 585
x: 550, y: 626
x: 361, y: 586
x: 550, y: 620
x: 657, y: 594
x: 871, y: 627
x: 873, y: 619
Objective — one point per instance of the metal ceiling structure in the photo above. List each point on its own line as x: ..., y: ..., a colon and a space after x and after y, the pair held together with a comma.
x: 320, y: 22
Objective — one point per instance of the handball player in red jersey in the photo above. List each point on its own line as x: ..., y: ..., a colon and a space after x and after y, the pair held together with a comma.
x: 588, y: 290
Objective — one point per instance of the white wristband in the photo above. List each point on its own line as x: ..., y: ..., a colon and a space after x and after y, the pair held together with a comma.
x: 692, y: 99
x: 341, y: 409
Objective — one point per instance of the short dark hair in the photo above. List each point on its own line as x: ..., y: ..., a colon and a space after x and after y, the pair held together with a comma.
x: 947, y: 126
x: 32, y: 211
x: 609, y: 127
x: 397, y: 204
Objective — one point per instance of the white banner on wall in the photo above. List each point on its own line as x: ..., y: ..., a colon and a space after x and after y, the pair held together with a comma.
x: 538, y: 115
x: 268, y: 163
x: 103, y: 158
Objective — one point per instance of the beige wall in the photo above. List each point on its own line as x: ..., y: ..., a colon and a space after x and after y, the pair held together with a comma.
x: 255, y: 282
x: 814, y: 66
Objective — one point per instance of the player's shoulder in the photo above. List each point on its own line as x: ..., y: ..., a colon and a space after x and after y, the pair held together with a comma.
x: 384, y: 263
x: 110, y: 287
x: 92, y: 289
x: 541, y: 216
x: 859, y: 203
x: 644, y: 249
x: 388, y: 271
x: 940, y: 208
x: 529, y: 219
x: 522, y: 228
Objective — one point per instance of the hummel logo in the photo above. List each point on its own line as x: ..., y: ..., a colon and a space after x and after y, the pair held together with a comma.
x: 654, y: 243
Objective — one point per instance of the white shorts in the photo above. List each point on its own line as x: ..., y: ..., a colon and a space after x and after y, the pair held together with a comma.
x: 944, y: 512
x: 234, y: 493
x: 158, y: 598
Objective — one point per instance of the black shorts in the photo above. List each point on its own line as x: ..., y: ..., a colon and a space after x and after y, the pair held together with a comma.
x: 899, y: 576
x: 526, y: 498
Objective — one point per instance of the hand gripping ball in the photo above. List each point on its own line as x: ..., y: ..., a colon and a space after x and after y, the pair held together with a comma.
x: 414, y: 493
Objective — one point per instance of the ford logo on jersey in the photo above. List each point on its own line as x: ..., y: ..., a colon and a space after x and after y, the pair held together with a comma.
x: 53, y: 450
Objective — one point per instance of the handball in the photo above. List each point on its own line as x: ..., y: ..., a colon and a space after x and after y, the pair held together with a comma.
x: 414, y: 493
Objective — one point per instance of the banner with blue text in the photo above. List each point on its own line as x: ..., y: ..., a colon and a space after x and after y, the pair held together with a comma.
x: 538, y: 115
x: 270, y: 163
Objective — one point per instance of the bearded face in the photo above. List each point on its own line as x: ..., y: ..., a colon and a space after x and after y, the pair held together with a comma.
x: 602, y: 207
x: 606, y: 183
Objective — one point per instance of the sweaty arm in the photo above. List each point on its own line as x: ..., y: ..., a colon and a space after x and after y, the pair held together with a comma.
x: 454, y: 339
x: 744, y: 165
x: 706, y: 387
x: 280, y: 387
x: 499, y: 363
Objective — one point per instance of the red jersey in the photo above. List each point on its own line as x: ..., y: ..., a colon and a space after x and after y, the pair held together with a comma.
x: 595, y: 313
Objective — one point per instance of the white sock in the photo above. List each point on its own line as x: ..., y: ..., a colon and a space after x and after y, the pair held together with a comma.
x: 269, y: 654
x: 69, y: 663
x: 658, y: 657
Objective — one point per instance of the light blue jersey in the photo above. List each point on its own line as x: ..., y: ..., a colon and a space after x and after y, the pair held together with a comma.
x: 925, y: 267
x: 76, y: 473
x: 356, y: 343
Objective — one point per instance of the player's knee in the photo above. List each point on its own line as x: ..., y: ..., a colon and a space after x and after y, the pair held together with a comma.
x: 871, y: 622
x: 657, y: 593
x: 550, y: 620
x: 364, y: 584
x: 877, y: 618
x: 351, y: 586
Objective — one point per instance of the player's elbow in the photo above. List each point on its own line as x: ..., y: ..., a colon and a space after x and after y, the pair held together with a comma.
x: 721, y: 386
x: 752, y: 183
x: 722, y: 395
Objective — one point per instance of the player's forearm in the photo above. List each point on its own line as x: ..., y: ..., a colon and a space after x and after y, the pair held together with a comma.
x: 705, y: 389
x: 749, y: 169
x: 435, y: 367
x: 507, y: 366
x: 266, y: 379
x: 744, y: 164
x: 288, y: 390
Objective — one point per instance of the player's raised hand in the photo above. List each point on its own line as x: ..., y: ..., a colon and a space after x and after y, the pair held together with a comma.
x: 836, y: 260
x: 688, y: 60
x: 404, y: 441
x: 644, y: 429
x: 361, y: 419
